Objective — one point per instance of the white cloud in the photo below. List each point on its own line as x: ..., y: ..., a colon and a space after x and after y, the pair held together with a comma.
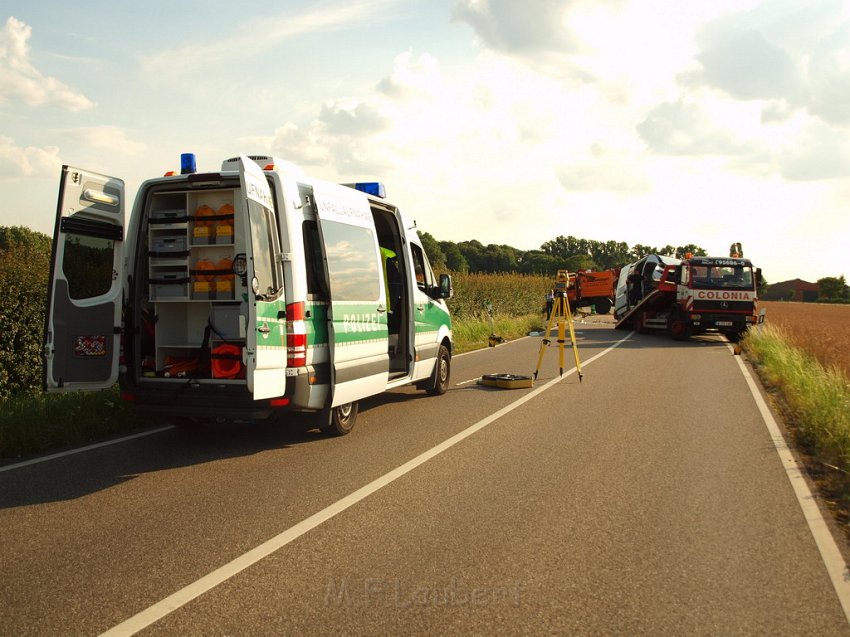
x: 410, y: 77
x: 745, y: 64
x: 605, y: 171
x: 293, y: 143
x: 783, y: 50
x: 821, y: 153
x: 680, y: 128
x: 528, y: 27
x: 16, y: 162
x: 352, y: 117
x: 20, y: 80
x: 112, y: 138
x: 260, y: 35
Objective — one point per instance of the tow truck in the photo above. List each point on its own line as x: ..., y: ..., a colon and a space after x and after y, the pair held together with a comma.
x: 691, y: 296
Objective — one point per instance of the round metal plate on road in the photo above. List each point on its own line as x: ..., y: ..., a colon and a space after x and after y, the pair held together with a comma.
x: 505, y: 381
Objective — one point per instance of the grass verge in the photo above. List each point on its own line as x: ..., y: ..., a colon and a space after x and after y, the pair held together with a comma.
x: 35, y: 423
x: 815, y: 402
x: 473, y: 333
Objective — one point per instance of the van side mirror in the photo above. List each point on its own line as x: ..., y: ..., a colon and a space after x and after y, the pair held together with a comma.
x: 446, y: 291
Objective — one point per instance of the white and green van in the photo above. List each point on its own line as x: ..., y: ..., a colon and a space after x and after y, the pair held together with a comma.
x: 240, y: 293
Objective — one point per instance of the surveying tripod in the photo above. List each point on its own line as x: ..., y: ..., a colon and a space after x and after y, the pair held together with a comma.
x: 561, y: 313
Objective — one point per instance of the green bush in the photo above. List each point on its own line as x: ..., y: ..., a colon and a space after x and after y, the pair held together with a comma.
x: 24, y: 272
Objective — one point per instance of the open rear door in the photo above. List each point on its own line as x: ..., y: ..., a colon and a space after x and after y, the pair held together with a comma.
x: 266, y: 338
x: 83, y: 322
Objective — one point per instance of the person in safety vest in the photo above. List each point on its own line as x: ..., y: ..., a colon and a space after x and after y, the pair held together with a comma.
x: 392, y: 282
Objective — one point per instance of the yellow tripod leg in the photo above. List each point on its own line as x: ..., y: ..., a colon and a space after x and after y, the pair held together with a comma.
x: 574, y: 344
x: 561, y: 338
x: 545, y: 342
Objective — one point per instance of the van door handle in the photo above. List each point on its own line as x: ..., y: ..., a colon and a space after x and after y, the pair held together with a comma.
x: 382, y: 308
x: 264, y: 329
x: 420, y: 307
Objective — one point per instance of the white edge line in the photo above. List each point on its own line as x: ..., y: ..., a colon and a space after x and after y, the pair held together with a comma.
x: 71, y: 452
x: 206, y: 583
x: 831, y: 556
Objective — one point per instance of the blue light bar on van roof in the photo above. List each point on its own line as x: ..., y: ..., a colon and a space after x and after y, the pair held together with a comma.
x: 188, y: 164
x: 374, y: 188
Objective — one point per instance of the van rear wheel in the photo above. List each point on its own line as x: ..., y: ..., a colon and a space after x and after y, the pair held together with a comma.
x: 342, y: 419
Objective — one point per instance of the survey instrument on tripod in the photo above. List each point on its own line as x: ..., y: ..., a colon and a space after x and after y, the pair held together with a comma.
x: 563, y: 318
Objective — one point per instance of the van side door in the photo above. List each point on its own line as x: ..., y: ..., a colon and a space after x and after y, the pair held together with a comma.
x: 83, y: 322
x: 357, y: 315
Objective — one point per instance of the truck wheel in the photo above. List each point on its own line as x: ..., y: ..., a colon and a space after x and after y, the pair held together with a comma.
x: 679, y: 328
x: 603, y: 305
x: 342, y: 419
x: 439, y: 382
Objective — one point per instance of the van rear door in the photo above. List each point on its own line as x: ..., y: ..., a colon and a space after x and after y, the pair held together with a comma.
x: 357, y: 318
x: 266, y: 337
x: 83, y: 322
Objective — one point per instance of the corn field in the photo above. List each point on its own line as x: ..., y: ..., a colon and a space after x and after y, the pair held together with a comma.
x: 510, y: 294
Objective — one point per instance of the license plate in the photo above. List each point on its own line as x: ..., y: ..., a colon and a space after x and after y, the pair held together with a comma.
x: 724, y: 323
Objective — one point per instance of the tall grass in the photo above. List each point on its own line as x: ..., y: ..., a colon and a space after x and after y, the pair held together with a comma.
x: 472, y: 333
x: 31, y: 423
x: 816, y: 398
x: 507, y: 305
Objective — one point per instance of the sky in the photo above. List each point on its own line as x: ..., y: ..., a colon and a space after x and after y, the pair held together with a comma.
x: 651, y: 122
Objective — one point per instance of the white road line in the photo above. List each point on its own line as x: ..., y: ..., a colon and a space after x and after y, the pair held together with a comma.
x: 71, y: 452
x: 194, y: 590
x: 831, y: 556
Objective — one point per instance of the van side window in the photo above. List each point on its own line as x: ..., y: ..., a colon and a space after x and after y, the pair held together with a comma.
x: 352, y: 262
x: 316, y: 283
x: 424, y: 274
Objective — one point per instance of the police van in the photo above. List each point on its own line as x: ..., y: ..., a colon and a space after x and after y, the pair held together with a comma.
x: 241, y: 293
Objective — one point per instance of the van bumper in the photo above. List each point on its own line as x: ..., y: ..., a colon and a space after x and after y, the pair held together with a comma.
x: 228, y: 401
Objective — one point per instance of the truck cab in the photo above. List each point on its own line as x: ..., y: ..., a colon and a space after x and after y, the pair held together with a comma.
x: 242, y: 292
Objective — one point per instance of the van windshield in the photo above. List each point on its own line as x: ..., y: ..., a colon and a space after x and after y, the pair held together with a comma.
x: 738, y: 277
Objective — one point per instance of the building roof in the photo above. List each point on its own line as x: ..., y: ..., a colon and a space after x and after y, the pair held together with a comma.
x: 789, y: 290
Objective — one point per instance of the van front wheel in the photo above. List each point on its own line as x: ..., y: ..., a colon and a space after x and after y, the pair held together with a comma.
x: 342, y: 419
x: 439, y: 382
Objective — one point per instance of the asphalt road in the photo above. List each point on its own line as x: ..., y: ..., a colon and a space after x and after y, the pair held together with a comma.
x: 646, y: 499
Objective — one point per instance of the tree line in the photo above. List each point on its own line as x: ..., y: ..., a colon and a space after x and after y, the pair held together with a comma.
x: 560, y: 253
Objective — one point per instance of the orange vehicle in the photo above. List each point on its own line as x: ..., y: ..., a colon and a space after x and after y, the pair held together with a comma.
x: 588, y: 288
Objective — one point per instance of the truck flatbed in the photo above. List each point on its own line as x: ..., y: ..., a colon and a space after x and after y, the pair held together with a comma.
x: 658, y: 299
